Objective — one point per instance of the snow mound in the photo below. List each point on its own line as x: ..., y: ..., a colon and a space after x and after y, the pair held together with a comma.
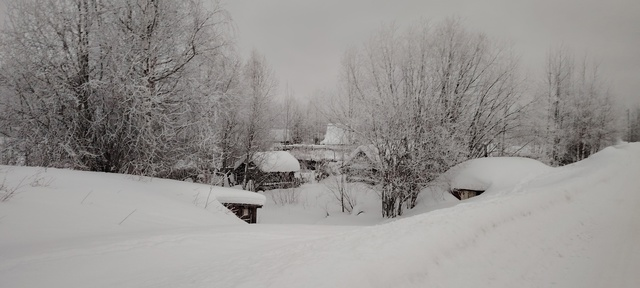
x: 493, y: 173
x: 58, y: 204
x: 276, y: 161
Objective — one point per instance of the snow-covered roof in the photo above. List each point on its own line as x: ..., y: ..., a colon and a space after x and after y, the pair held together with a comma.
x: 276, y: 161
x: 495, y: 172
x: 335, y: 135
x: 237, y: 196
x: 370, y: 151
x: 319, y: 153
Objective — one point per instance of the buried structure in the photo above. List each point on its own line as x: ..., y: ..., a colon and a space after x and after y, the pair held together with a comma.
x: 463, y: 194
x: 499, y: 174
x: 244, y: 204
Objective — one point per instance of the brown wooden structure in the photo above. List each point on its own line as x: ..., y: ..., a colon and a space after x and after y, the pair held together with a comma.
x: 463, y: 194
x: 266, y: 180
x: 246, y: 212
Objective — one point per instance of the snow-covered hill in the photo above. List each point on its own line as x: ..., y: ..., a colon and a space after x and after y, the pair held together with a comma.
x: 55, y: 204
x: 574, y: 226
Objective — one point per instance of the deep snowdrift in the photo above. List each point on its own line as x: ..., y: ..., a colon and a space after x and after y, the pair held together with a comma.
x: 574, y: 226
x: 55, y: 203
x: 493, y: 173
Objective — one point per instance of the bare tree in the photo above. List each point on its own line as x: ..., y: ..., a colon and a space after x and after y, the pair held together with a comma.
x: 429, y: 99
x: 288, y: 108
x: 579, y: 109
x: 113, y: 85
x: 560, y: 66
x: 633, y: 125
x: 258, y: 117
x: 342, y: 191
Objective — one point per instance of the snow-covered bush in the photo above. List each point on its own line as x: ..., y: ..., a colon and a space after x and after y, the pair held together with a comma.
x: 284, y: 196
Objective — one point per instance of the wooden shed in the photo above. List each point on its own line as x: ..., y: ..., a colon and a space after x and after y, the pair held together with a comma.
x: 361, y: 165
x: 244, y: 204
x: 246, y: 212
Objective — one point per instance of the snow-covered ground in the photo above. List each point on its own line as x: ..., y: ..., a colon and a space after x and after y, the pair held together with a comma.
x: 574, y: 226
x: 319, y: 203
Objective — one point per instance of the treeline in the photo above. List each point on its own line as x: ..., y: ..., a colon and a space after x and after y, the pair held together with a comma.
x: 428, y: 97
x: 145, y: 87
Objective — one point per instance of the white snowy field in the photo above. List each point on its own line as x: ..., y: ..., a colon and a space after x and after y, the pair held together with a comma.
x: 574, y: 226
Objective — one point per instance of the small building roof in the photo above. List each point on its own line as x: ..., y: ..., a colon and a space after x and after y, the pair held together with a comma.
x: 237, y: 196
x: 370, y: 151
x: 276, y: 161
x: 319, y: 152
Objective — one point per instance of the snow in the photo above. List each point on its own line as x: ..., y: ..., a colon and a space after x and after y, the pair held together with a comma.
x: 318, y: 152
x: 493, y: 173
x: 230, y: 195
x: 335, y: 135
x: 317, y: 204
x: 573, y: 226
x: 276, y: 161
x: 58, y: 204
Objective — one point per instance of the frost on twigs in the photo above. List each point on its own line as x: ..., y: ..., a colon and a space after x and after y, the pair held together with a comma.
x: 342, y: 192
x: 283, y: 197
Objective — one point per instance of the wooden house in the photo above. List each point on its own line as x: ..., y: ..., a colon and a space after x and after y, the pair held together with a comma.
x: 362, y: 165
x: 269, y: 170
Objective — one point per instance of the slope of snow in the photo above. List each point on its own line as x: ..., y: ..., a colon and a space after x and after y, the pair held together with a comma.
x: 577, y: 226
x: 574, y: 226
x: 55, y: 204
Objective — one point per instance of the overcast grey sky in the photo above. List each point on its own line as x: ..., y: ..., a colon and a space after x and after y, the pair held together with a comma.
x: 304, y: 40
